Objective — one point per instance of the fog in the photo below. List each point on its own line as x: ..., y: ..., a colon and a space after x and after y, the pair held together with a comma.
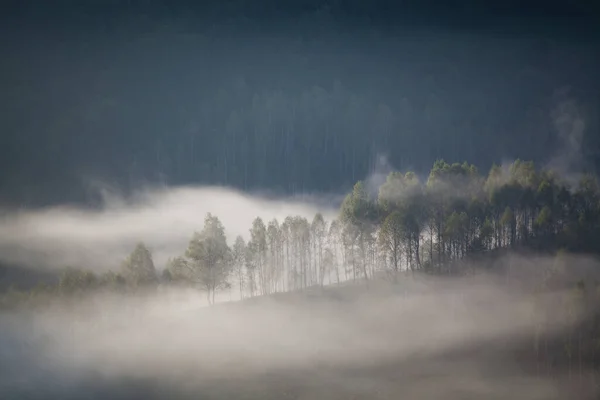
x: 425, y: 338
x: 163, y: 218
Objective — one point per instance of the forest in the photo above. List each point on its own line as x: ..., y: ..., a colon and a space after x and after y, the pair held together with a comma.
x: 426, y: 227
x: 161, y: 97
x: 453, y: 225
x: 362, y: 258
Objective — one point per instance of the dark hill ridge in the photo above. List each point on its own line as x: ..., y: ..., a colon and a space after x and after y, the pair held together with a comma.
x: 295, y: 96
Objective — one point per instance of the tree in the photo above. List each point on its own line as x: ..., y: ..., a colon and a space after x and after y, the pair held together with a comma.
x: 395, y: 190
x: 113, y: 281
x: 390, y: 239
x: 287, y: 251
x: 298, y: 249
x: 414, y: 219
x: 543, y: 223
x: 178, y: 270
x: 77, y: 281
x: 239, y: 261
x: 359, y: 215
x: 257, y: 250
x: 404, y: 194
x: 209, y: 258
x: 250, y: 270
x: 334, y: 240
x: 485, y: 236
x: 138, y: 268
x: 319, y: 232
x: 275, y: 255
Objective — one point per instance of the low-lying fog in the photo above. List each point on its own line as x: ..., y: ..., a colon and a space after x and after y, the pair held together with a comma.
x: 421, y: 339
x: 164, y: 219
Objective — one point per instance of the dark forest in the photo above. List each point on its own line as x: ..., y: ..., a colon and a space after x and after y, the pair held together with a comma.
x: 295, y: 98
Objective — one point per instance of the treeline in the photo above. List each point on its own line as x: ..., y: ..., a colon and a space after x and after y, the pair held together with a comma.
x: 412, y: 225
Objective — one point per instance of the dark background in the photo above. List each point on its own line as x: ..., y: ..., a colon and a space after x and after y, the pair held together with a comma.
x: 288, y: 96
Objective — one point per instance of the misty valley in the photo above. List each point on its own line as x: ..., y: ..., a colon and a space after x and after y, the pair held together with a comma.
x: 462, y: 285
x: 299, y: 200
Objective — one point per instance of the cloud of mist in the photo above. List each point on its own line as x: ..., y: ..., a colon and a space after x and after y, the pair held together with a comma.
x: 569, y: 124
x: 378, y: 175
x: 163, y: 218
x: 423, y: 339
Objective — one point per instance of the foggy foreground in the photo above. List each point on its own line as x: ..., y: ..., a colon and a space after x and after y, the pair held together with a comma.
x: 421, y: 339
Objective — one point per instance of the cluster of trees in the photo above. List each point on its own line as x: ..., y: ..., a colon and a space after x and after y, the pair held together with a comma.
x: 410, y: 226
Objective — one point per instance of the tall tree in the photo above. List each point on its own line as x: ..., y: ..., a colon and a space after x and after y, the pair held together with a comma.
x: 209, y: 257
x: 319, y: 232
x: 239, y: 262
x: 275, y: 251
x: 138, y: 268
x: 359, y: 214
x: 257, y: 247
x: 334, y: 242
x: 390, y: 238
